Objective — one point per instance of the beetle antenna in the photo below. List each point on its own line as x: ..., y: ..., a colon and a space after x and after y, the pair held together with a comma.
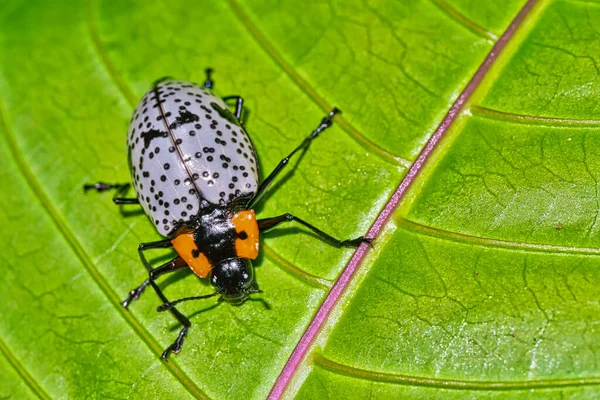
x: 170, y: 304
x: 260, y: 300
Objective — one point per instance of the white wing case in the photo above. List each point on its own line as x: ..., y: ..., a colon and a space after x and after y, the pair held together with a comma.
x: 185, y: 146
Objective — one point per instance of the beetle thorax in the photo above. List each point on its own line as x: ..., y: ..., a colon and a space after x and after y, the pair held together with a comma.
x: 216, y: 236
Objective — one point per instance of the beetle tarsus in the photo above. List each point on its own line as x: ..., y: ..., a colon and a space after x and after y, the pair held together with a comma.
x: 176, y: 346
x: 120, y: 187
x: 327, y: 121
x: 102, y: 186
x: 135, y: 293
x: 208, y: 83
x: 356, y: 242
x: 262, y: 188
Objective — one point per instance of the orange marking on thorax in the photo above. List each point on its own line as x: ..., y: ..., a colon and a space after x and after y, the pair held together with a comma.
x: 246, y: 244
x: 185, y: 246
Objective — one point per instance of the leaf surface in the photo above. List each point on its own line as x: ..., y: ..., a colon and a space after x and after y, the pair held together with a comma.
x: 485, y: 273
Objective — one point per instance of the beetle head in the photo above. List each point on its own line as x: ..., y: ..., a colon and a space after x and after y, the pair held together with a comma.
x: 234, y: 279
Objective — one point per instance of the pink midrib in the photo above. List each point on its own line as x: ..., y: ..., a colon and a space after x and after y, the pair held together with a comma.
x: 337, y: 290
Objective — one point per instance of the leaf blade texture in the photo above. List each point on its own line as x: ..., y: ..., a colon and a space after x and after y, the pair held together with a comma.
x: 482, y: 282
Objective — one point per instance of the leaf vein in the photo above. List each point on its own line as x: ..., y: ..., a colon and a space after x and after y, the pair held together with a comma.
x: 422, y: 381
x: 301, y: 275
x: 307, y: 340
x: 85, y: 260
x: 489, y: 242
x: 464, y: 21
x: 22, y: 371
x: 81, y: 254
x: 262, y: 41
x: 103, y: 56
x: 533, y: 119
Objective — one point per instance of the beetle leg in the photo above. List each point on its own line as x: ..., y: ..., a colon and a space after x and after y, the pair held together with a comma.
x: 208, y: 83
x: 269, y: 223
x: 175, y: 347
x: 161, y: 80
x: 173, y: 265
x: 135, y: 293
x: 239, y: 104
x: 325, y: 123
x: 161, y: 244
x: 120, y: 187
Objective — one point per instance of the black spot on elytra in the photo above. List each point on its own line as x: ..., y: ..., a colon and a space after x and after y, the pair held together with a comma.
x: 150, y: 135
x: 184, y: 117
x: 195, y: 253
x: 243, y: 235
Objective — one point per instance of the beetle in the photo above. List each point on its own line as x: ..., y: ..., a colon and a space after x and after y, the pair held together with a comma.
x: 195, y: 173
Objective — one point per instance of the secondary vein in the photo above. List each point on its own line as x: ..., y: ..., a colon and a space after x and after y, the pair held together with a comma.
x: 22, y: 371
x: 490, y: 242
x: 310, y: 335
x: 410, y: 380
x: 309, y: 91
x: 525, y: 119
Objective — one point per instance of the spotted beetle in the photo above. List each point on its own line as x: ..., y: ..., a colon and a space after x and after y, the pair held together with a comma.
x: 195, y: 173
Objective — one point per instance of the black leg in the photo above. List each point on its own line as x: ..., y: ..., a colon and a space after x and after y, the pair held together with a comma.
x: 161, y: 80
x: 135, y: 294
x: 161, y: 244
x: 120, y: 187
x: 269, y: 223
x: 173, y: 265
x: 325, y: 123
x: 153, y: 272
x: 208, y: 83
x: 175, y: 347
x: 239, y: 104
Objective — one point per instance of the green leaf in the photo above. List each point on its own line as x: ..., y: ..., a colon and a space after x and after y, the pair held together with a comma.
x: 482, y: 283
